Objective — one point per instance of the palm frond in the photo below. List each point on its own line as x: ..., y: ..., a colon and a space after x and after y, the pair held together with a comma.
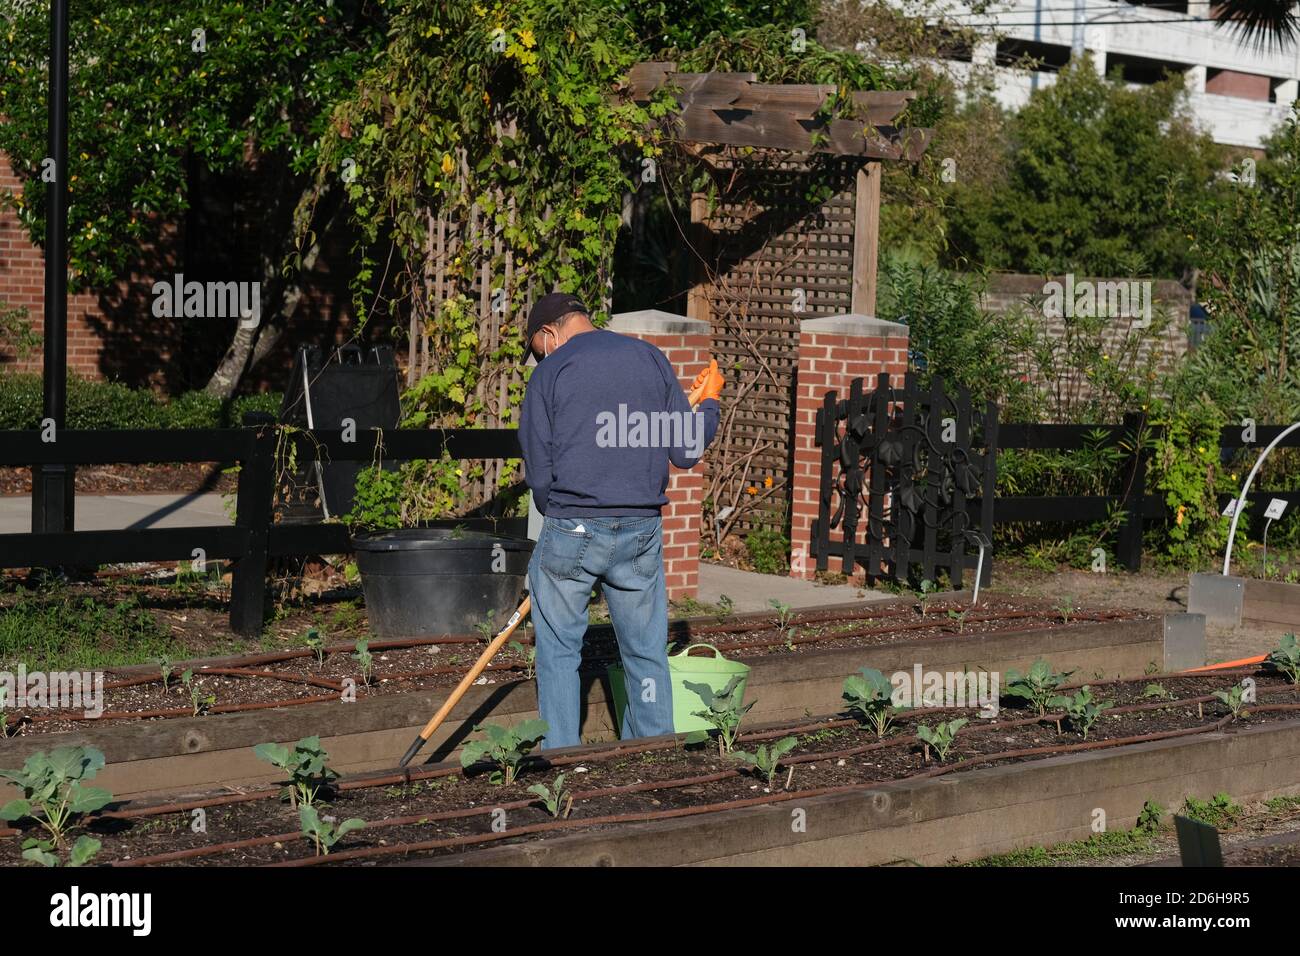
x: 1262, y: 24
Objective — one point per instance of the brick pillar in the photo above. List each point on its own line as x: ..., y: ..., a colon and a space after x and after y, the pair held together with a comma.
x: 686, y: 342
x: 832, y: 352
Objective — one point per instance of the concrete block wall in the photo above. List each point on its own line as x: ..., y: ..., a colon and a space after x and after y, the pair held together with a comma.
x: 833, y: 351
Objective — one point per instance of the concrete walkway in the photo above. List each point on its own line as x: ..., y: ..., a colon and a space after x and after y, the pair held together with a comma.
x: 115, y: 512
x: 747, y: 590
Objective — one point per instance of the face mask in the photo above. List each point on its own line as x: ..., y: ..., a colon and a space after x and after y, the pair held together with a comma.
x: 545, y: 353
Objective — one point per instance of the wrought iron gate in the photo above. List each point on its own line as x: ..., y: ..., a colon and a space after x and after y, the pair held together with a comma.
x: 912, y: 461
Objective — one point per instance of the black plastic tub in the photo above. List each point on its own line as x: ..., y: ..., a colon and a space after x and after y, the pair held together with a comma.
x: 425, y: 582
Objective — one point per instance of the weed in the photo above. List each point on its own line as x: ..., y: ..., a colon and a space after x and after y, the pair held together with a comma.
x: 56, y: 630
x: 1219, y: 811
x: 506, y: 747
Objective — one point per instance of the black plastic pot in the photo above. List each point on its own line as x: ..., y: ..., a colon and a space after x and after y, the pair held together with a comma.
x: 425, y: 582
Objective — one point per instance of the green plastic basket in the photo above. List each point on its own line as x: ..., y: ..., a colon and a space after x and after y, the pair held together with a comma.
x: 716, y: 671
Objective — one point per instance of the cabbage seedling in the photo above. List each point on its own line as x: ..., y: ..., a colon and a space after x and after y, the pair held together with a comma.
x: 1082, y: 710
x: 1233, y: 698
x: 765, y: 760
x: 870, y: 695
x: 322, y: 832
x: 1157, y: 691
x: 54, y: 790
x: 4, y: 713
x: 198, y: 700
x: 558, y: 801
x: 307, y: 765
x: 42, y: 851
x: 367, y: 661
x: 923, y: 593
x: 1286, y: 658
x: 941, y: 736
x: 1066, y: 609
x: 504, y: 746
x: 529, y: 654
x: 960, y: 618
x: 723, y: 710
x: 165, y: 669
x: 315, y: 642
x: 782, y: 612
x: 1038, y: 685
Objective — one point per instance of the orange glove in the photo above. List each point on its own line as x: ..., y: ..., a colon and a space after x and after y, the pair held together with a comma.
x: 708, y: 384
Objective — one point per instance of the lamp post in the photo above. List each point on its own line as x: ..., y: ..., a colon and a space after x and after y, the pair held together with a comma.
x: 52, y: 485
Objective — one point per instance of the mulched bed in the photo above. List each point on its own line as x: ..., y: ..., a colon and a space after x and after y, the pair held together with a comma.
x: 449, y: 804
x: 442, y: 662
x: 170, y: 478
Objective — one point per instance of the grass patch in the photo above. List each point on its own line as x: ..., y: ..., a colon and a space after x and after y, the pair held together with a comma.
x: 1099, y: 846
x: 55, y: 631
x: 1219, y: 811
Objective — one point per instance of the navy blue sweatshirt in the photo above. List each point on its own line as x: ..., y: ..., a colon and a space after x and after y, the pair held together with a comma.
x: 603, y: 416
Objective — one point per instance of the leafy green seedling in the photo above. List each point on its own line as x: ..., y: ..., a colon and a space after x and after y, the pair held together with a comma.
x: 941, y: 737
x: 323, y: 833
x: 1157, y: 691
x: 1286, y: 658
x: 199, y: 701
x: 315, y: 642
x: 307, y: 765
x: 724, y: 711
x: 782, y: 612
x: 725, y: 606
x: 165, y: 669
x: 1149, y: 819
x: 869, y: 695
x: 4, y: 711
x: 923, y: 593
x: 43, y: 851
x: 529, y: 654
x: 960, y: 618
x: 1082, y: 710
x: 1218, y: 811
x: 765, y: 760
x: 54, y: 789
x: 485, y: 627
x: 366, y: 660
x: 506, y: 747
x: 1066, y: 609
x: 557, y: 800
x: 1038, y: 685
x: 1233, y: 698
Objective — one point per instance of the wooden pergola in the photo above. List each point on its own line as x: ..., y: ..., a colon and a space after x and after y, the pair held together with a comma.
x: 734, y: 109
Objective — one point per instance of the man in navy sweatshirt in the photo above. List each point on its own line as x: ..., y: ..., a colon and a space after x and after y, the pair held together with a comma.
x: 603, y: 416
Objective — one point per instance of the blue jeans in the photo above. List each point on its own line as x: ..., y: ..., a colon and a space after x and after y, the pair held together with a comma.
x: 625, y: 555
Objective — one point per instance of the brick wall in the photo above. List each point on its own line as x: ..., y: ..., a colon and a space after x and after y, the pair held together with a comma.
x: 832, y: 352
x: 686, y: 343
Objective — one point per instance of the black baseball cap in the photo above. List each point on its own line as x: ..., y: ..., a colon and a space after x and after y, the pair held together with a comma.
x: 551, y: 308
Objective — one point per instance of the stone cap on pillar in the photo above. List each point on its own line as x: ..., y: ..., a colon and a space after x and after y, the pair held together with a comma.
x: 854, y: 323
x: 657, y: 322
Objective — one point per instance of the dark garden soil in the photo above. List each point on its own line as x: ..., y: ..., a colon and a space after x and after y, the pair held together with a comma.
x: 1283, y: 851
x: 300, y: 675
x: 170, y: 478
x: 445, y: 810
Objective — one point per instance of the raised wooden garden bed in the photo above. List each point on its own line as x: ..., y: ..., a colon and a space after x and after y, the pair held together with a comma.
x: 283, y: 697
x: 840, y: 796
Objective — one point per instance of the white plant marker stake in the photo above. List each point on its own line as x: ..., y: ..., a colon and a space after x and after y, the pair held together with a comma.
x: 1275, y: 509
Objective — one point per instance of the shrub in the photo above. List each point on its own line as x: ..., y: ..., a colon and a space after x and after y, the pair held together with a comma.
x: 767, y: 549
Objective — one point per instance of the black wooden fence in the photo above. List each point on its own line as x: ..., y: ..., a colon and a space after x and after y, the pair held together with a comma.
x: 255, y: 538
x: 844, y: 458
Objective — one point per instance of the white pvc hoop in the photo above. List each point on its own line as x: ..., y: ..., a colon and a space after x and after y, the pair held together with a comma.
x: 1241, y: 499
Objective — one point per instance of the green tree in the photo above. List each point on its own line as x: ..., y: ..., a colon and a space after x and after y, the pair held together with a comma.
x: 1087, y: 160
x: 164, y: 94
